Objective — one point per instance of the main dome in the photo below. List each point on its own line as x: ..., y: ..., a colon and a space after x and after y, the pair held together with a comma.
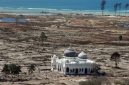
x: 70, y: 53
x: 82, y: 55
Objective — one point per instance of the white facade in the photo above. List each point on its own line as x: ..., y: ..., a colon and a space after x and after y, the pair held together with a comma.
x: 72, y: 63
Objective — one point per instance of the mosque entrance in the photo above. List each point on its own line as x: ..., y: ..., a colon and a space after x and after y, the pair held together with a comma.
x: 67, y: 70
x: 85, y: 70
x: 76, y: 71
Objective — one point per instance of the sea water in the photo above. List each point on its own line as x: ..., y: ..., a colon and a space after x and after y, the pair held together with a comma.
x: 58, y: 6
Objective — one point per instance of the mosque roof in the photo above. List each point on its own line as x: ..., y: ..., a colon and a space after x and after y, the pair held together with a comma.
x: 82, y: 55
x: 72, y: 57
x: 70, y: 52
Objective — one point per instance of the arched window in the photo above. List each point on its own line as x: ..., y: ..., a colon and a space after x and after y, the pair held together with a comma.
x: 85, y: 70
x: 73, y: 70
x: 58, y: 68
x: 82, y: 69
x: 67, y: 70
x: 89, y: 70
x: 76, y: 71
x: 92, y: 71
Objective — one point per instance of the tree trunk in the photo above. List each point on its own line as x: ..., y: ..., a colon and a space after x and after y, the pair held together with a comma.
x: 116, y: 64
x: 119, y: 13
x: 126, y: 12
x: 115, y: 13
x: 102, y: 12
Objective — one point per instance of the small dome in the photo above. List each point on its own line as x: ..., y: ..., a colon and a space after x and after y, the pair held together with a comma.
x: 54, y: 56
x: 82, y: 55
x: 70, y: 53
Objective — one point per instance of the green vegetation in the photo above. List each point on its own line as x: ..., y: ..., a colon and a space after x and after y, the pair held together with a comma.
x: 96, y: 69
x: 116, y: 58
x: 103, y: 3
x: 126, y: 7
x: 117, y: 7
x: 31, y: 68
x: 43, y: 37
x: 11, y: 69
x: 120, y: 37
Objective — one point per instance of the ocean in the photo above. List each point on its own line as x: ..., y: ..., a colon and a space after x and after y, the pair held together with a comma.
x: 58, y: 6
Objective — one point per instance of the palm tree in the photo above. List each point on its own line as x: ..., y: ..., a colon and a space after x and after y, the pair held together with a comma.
x: 126, y: 8
x: 115, y: 8
x: 119, y: 6
x: 116, y: 58
x: 103, y: 3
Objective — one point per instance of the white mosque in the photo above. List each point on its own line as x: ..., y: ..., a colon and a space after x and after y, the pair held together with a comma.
x: 73, y: 63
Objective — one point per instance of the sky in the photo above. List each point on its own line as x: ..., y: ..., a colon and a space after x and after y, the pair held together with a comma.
x: 63, y: 4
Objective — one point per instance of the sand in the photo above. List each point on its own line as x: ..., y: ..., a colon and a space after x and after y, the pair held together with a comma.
x: 96, y: 35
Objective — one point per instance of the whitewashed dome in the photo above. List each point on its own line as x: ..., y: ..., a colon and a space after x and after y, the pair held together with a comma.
x: 54, y: 57
x: 70, y: 52
x: 82, y: 55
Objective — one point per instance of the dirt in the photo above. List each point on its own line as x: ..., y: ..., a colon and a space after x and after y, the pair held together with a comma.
x: 98, y: 36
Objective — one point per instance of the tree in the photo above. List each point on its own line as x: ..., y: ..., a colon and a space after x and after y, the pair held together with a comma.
x: 115, y: 8
x: 103, y: 3
x: 15, y: 69
x: 119, y: 6
x: 116, y: 58
x: 31, y: 68
x: 120, y: 37
x: 43, y: 37
x: 11, y: 69
x: 96, y: 68
x: 6, y: 69
x: 126, y: 8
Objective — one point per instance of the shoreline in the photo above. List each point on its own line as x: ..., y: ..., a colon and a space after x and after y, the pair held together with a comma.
x: 45, y: 11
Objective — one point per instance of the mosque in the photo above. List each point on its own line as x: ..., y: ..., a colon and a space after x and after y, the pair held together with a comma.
x: 73, y: 63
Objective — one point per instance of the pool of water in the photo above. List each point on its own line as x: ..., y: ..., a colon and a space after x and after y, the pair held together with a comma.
x: 12, y: 20
x: 7, y: 20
